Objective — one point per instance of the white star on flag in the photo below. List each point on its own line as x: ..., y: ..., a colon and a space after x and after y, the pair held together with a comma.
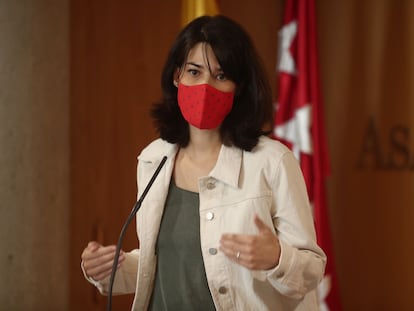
x: 323, y: 291
x: 286, y: 36
x: 297, y: 131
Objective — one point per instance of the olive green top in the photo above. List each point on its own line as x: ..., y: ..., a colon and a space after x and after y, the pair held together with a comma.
x: 180, y: 280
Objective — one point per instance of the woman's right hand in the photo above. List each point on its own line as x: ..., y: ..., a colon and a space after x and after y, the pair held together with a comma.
x: 97, y: 260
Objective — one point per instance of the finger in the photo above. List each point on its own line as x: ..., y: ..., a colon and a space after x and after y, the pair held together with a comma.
x: 101, y: 251
x: 231, y: 253
x: 90, y: 248
x: 104, y: 274
x: 230, y: 238
x: 263, y: 228
x: 233, y: 244
x: 104, y: 266
x: 99, y: 271
x: 91, y: 263
x: 99, y: 277
x: 93, y: 245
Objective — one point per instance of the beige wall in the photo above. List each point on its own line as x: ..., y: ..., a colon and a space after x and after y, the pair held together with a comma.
x: 34, y: 155
x: 367, y: 62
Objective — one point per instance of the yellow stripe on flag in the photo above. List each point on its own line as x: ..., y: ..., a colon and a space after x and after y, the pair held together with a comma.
x: 195, y: 8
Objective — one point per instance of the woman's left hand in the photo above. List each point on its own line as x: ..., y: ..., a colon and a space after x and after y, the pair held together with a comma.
x: 256, y: 252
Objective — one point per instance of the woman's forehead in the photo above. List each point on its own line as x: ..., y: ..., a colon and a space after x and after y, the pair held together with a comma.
x: 202, y: 54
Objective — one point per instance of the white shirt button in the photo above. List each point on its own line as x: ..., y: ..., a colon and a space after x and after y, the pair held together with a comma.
x: 209, y: 215
x: 222, y: 290
x: 212, y: 251
x: 210, y: 185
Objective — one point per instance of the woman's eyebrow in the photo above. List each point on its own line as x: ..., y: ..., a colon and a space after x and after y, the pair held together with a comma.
x: 202, y: 67
x: 194, y: 64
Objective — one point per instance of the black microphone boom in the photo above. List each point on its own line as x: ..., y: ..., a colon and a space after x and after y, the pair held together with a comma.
x: 127, y: 222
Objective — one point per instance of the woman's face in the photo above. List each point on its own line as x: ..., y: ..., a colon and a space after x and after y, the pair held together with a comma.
x: 202, y: 67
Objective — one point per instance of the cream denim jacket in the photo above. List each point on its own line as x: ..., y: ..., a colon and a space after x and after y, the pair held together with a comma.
x: 266, y: 181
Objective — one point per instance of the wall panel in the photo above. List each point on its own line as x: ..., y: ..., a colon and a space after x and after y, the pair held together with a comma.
x: 118, y: 50
x: 367, y: 73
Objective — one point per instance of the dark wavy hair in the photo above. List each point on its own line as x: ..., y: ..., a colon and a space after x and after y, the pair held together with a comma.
x: 252, y: 107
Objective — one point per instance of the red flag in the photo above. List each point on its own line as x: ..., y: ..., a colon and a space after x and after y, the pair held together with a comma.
x: 299, y: 123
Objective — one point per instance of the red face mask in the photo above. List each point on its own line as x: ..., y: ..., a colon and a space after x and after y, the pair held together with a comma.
x: 204, y: 106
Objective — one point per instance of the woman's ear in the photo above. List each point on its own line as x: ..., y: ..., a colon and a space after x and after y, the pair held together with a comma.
x: 176, y: 77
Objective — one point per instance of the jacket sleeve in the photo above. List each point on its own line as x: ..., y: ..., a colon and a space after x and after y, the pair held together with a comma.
x: 302, y: 262
x: 125, y: 277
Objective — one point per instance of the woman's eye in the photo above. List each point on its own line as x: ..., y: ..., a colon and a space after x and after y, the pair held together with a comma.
x: 221, y: 77
x: 193, y: 72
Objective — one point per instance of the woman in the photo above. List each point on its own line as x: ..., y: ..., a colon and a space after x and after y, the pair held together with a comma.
x: 227, y: 224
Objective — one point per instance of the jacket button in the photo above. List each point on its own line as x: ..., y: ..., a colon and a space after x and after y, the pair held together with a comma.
x: 212, y: 251
x: 209, y: 215
x: 210, y: 185
x: 222, y: 290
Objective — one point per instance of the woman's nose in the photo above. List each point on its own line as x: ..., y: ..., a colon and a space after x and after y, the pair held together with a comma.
x: 208, y: 79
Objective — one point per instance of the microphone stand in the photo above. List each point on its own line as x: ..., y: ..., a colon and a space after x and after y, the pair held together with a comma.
x: 127, y: 222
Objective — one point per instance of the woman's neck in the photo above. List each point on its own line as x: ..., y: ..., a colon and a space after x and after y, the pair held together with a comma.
x: 203, y: 143
x: 197, y: 159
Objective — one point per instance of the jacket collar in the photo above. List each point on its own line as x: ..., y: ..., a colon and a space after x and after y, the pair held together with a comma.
x: 227, y: 168
x: 155, y: 151
x: 228, y: 165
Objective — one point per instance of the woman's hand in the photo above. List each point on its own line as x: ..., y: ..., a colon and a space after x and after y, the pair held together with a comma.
x: 256, y: 252
x: 97, y: 260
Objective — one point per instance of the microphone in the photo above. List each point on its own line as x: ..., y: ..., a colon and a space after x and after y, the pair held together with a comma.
x: 127, y: 222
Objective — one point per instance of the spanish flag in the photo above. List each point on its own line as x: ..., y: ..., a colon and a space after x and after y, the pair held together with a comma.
x: 195, y: 8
